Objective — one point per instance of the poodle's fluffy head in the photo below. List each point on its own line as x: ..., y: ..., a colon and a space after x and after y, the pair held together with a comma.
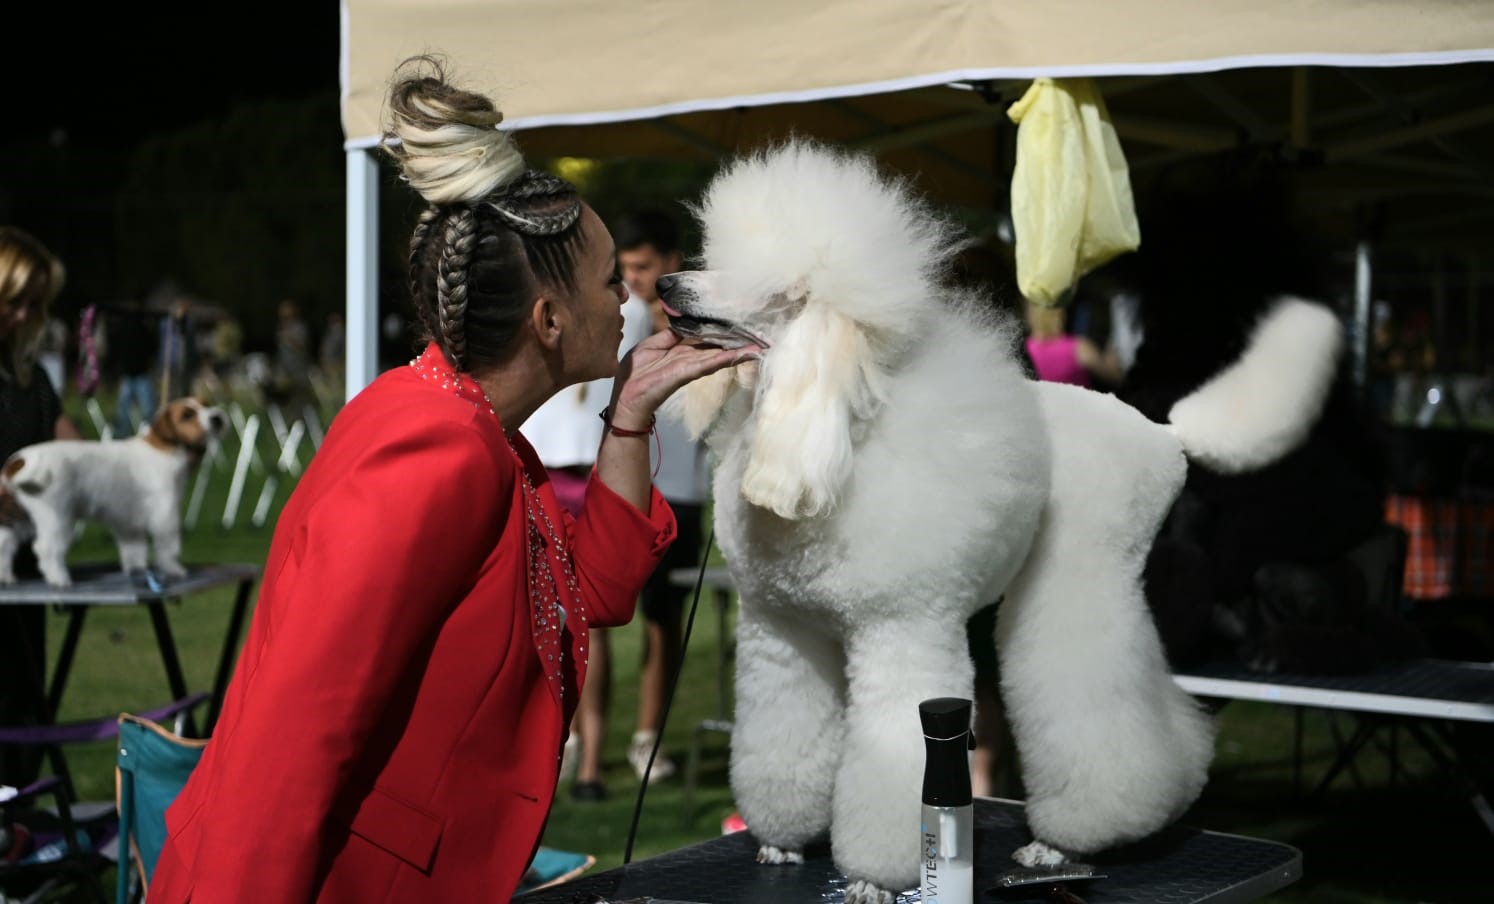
x: 834, y: 269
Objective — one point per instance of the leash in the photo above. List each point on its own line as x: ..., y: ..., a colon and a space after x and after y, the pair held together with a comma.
x: 669, y: 700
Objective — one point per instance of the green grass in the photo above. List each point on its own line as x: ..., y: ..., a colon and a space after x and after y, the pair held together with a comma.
x: 1369, y: 844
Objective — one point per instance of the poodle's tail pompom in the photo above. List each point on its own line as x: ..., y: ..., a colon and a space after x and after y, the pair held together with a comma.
x: 1262, y: 407
x: 805, y: 220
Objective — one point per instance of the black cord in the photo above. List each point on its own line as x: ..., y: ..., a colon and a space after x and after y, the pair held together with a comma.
x: 668, y: 701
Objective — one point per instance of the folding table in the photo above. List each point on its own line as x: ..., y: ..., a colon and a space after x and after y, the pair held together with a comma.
x: 103, y: 584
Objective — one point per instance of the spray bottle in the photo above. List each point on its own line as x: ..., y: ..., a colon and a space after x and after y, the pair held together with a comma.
x: 947, y: 848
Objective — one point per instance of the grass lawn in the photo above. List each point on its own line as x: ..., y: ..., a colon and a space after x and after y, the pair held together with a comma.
x: 1370, y: 843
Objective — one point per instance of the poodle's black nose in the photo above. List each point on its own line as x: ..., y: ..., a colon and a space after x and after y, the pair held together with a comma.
x: 663, y: 284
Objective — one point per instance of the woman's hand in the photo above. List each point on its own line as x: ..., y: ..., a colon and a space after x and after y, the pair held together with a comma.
x: 659, y: 365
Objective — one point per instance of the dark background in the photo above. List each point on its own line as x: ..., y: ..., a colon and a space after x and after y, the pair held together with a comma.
x: 182, y: 147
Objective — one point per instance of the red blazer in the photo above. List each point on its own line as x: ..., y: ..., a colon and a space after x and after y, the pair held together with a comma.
x: 390, y: 733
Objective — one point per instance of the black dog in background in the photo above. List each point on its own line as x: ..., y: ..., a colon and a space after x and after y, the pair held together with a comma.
x: 1290, y: 567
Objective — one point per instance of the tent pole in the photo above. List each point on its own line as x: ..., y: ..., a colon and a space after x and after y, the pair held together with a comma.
x: 1362, y: 330
x: 362, y: 317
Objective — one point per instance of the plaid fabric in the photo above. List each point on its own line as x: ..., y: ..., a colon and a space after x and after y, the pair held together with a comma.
x: 1451, y: 548
x: 1431, y: 527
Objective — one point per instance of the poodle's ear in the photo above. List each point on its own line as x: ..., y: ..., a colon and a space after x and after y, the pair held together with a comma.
x: 820, y: 375
x: 697, y: 405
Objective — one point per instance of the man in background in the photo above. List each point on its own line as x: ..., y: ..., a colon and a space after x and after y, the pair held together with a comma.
x: 648, y: 246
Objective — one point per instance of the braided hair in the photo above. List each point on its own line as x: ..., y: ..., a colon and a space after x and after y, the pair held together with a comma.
x: 494, y: 232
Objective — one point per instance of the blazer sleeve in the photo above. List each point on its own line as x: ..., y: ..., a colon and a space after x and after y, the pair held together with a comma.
x: 615, y: 547
x: 385, y: 555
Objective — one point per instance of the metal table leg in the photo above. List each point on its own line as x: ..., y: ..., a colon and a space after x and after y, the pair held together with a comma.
x: 226, y: 657
x: 169, y: 659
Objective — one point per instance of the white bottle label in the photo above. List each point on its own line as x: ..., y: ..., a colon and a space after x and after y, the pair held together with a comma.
x: 947, y: 868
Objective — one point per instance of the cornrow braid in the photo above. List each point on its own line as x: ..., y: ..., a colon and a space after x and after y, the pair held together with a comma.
x: 451, y: 281
x: 538, y: 224
x: 417, y: 245
x: 534, y: 188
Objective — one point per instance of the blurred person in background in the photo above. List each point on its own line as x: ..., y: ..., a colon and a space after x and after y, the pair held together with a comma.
x: 132, y: 345
x: 648, y: 246
x: 31, y: 276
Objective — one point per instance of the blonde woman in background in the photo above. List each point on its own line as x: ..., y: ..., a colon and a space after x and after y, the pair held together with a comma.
x: 30, y: 412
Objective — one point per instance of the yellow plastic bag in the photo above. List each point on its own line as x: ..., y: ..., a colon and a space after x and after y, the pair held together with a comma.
x: 1072, y: 208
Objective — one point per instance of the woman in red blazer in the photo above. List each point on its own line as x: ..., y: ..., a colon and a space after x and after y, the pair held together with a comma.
x: 394, y: 725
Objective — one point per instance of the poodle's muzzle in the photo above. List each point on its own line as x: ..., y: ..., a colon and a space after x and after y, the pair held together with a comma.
x: 685, y: 296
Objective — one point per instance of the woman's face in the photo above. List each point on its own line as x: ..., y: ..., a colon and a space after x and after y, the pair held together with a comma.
x: 15, y: 313
x: 590, y: 345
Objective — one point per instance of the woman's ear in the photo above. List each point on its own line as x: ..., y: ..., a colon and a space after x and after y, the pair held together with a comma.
x: 547, y: 317
x: 819, y: 378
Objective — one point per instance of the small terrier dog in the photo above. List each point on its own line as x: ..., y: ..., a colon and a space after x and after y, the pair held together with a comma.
x: 133, y: 487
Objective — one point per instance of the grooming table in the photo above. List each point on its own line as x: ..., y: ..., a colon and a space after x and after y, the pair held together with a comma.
x: 103, y: 584
x: 1180, y: 865
x: 1426, y: 696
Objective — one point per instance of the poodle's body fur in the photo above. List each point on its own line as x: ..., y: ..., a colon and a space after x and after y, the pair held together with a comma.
x: 882, y: 472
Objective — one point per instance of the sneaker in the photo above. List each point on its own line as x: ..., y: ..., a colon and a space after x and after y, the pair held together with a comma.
x: 639, y: 749
x: 588, y: 792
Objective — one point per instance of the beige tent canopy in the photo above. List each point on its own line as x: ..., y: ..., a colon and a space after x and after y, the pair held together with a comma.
x: 1390, y: 99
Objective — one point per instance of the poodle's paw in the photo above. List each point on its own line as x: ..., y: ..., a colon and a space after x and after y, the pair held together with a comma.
x: 1039, y: 854
x: 863, y: 892
x: 770, y: 854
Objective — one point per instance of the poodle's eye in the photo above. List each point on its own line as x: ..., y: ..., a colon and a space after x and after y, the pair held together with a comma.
x: 189, y: 414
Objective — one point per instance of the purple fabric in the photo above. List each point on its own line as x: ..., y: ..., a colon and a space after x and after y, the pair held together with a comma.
x: 92, y: 729
x: 570, y: 489
x: 1056, y: 360
x: 40, y: 786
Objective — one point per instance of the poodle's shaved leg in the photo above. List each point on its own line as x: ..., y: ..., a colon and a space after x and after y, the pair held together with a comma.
x: 786, y: 739
x: 893, y: 667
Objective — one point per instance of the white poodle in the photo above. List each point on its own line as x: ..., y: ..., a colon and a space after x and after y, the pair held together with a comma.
x: 882, y: 472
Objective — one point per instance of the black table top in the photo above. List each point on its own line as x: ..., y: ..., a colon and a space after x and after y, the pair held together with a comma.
x: 103, y: 584
x: 1178, y: 865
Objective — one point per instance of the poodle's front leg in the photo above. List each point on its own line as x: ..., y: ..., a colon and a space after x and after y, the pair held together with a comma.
x: 893, y: 667
x: 786, y: 738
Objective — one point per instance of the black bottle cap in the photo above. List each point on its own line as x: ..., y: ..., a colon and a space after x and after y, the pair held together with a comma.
x: 946, y: 736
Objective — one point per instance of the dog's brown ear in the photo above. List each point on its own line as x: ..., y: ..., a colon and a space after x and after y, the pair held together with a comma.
x: 14, y: 466
x: 163, y: 428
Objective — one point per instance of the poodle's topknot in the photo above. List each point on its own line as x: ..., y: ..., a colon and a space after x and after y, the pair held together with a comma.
x: 804, y: 218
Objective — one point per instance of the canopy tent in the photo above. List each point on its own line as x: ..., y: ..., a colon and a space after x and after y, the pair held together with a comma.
x: 1395, y: 120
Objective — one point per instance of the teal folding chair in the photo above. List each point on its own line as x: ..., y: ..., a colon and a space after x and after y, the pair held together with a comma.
x: 152, y: 766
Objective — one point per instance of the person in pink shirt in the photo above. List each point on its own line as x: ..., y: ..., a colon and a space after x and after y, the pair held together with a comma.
x: 1059, y: 356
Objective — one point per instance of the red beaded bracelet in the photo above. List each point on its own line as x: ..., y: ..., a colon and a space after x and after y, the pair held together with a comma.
x: 622, y: 431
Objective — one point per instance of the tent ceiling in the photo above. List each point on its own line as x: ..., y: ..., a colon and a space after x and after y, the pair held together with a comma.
x: 1336, y: 85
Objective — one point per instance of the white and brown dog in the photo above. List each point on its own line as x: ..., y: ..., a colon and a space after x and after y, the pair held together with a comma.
x: 133, y: 487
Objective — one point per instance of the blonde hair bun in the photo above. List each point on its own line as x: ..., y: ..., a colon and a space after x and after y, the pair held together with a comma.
x: 448, y: 145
